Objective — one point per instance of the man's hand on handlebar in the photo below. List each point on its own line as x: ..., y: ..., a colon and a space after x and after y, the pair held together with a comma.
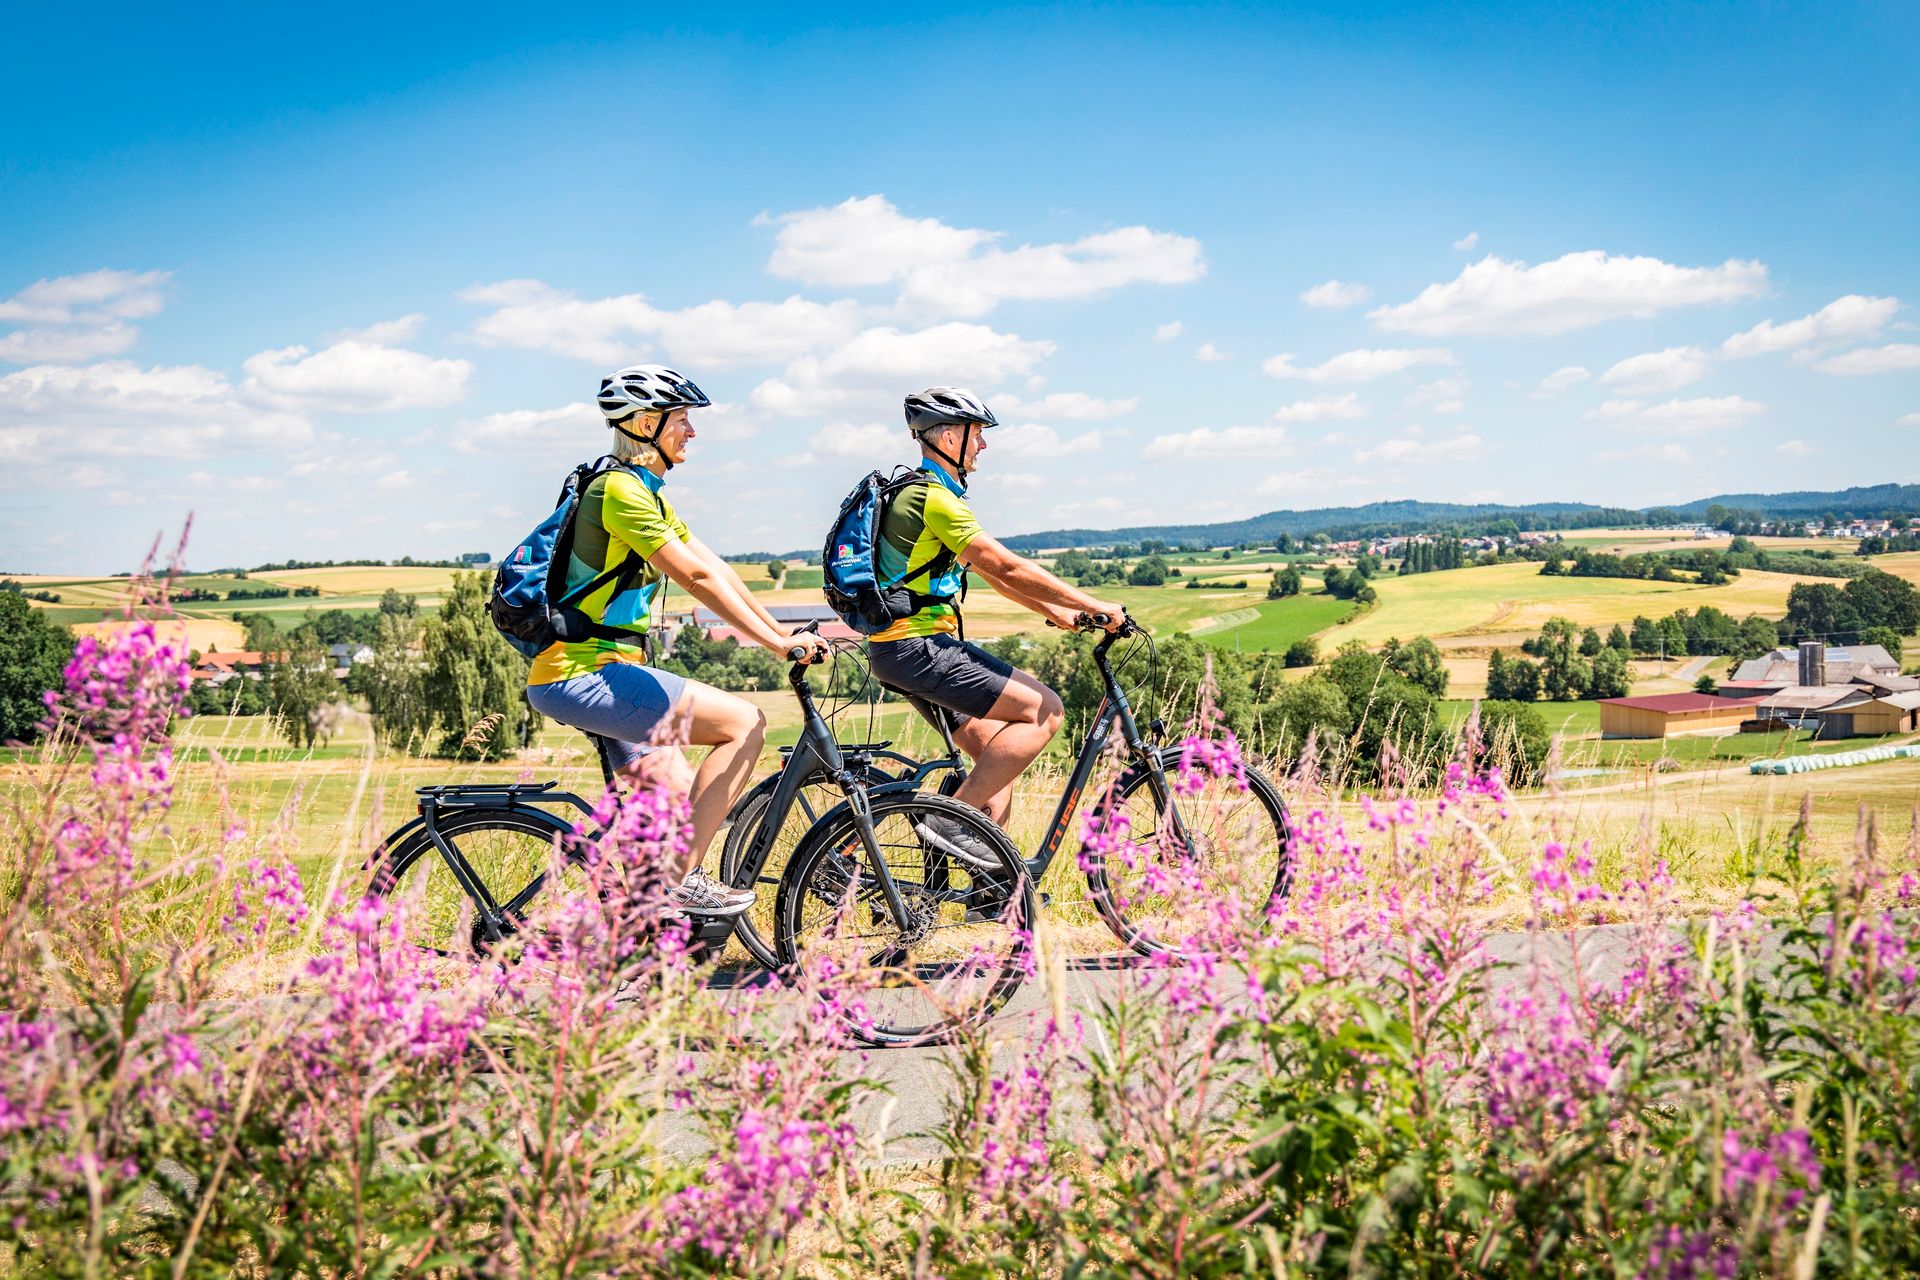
x: 1106, y: 615
x: 1092, y: 621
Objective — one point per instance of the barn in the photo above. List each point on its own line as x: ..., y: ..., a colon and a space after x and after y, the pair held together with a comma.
x: 1668, y: 715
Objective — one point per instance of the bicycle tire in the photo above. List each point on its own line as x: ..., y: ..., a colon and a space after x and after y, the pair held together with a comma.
x: 956, y: 972
x: 1258, y: 866
x: 507, y: 848
x: 754, y: 927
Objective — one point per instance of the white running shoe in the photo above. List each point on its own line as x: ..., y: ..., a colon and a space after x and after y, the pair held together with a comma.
x: 958, y: 843
x: 701, y: 895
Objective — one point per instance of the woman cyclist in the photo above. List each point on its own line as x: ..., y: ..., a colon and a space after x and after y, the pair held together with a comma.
x: 604, y: 686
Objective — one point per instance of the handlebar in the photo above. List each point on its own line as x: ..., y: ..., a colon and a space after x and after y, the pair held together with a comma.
x: 1099, y: 621
x: 797, y: 655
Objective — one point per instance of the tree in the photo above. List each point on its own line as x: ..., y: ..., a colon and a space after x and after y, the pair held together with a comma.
x: 1883, y: 600
x: 1302, y: 653
x: 263, y: 633
x: 1706, y: 683
x: 301, y: 686
x: 395, y: 605
x: 777, y: 570
x: 33, y: 655
x: 1497, y: 676
x: 393, y: 683
x: 1589, y: 643
x: 1150, y: 572
x: 1757, y: 636
x: 1523, y: 681
x: 1674, y: 631
x: 474, y: 684
x: 1312, y: 706
x: 1617, y: 639
x: 1072, y: 565
x: 1646, y: 635
x: 1419, y: 661
x: 1608, y: 675
x: 1515, y: 737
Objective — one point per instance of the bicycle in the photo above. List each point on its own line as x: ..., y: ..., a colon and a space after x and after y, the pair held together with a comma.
x: 1181, y: 853
x: 888, y: 899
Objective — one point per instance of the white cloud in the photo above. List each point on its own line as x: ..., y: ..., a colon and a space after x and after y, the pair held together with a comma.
x: 394, y: 481
x: 1068, y: 404
x: 566, y: 431
x: 1891, y: 358
x: 611, y: 331
x: 1357, y: 366
x: 1459, y: 447
x: 1844, y: 319
x: 1321, y: 408
x: 947, y: 270
x: 71, y: 319
x: 1442, y: 395
x: 1286, y: 483
x: 1019, y: 481
x: 884, y: 360
x: 73, y: 345
x: 1209, y: 354
x: 1031, y: 440
x: 870, y: 440
x: 1168, y: 331
x: 1667, y: 370
x: 119, y: 408
x: 1559, y: 380
x: 1679, y: 417
x: 1673, y: 453
x: 385, y: 333
x: 1094, y: 510
x: 1336, y: 294
x: 1222, y: 442
x: 1908, y: 420
x: 1795, y: 448
x: 1466, y: 242
x: 864, y: 241
x: 1501, y: 296
x: 355, y: 377
x: 90, y: 298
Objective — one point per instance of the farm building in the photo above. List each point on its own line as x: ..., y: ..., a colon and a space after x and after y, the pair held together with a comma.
x: 1812, y: 665
x: 1870, y: 716
x: 1668, y: 715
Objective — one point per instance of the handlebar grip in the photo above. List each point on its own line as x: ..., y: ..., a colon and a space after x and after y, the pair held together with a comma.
x: 798, y: 653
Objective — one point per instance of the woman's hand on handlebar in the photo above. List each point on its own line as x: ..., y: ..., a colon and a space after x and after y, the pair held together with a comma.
x: 806, y: 647
x: 1061, y: 617
x: 1106, y: 614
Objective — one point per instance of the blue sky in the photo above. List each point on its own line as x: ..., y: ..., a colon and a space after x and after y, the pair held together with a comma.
x: 344, y: 288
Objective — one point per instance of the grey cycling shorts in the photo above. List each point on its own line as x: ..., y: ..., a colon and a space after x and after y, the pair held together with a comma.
x: 622, y: 702
x: 942, y: 669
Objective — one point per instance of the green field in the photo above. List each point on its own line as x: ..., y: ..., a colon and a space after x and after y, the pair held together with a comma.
x: 1276, y: 624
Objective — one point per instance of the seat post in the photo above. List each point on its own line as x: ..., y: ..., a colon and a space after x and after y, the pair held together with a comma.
x: 606, y: 760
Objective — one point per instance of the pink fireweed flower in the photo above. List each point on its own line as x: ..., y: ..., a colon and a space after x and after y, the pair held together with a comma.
x: 759, y: 1188
x: 1202, y: 758
x: 1690, y: 1255
x: 1785, y: 1156
x: 1543, y: 1070
x: 1015, y: 1163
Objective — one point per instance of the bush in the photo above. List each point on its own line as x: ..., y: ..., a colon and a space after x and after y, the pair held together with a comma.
x: 32, y: 653
x: 1302, y: 653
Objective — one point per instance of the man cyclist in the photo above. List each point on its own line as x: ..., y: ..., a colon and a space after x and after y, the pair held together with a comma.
x: 626, y: 538
x: 1005, y: 716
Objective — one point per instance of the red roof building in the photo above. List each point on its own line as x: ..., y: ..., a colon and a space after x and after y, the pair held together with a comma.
x: 1667, y: 715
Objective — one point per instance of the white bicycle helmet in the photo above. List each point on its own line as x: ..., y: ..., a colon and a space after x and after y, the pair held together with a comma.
x: 647, y: 388
x: 938, y: 407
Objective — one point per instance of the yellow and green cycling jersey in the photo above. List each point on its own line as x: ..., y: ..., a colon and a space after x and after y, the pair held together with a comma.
x: 623, y: 517
x: 921, y: 521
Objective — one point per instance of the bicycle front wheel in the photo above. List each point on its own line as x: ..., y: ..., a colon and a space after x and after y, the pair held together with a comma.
x: 966, y: 942
x: 1184, y: 854
x: 754, y: 927
x: 456, y: 910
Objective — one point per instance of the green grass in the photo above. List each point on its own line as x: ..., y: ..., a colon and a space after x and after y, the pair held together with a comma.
x: 1278, y: 623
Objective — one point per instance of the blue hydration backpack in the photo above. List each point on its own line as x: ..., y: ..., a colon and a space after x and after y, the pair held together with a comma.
x: 530, y: 603
x: 850, y: 562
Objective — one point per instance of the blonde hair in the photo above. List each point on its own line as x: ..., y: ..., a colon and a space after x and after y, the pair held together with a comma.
x: 632, y: 451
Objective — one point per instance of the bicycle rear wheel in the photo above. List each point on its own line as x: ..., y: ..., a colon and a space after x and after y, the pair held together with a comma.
x: 968, y: 942
x: 512, y: 855
x: 1157, y: 890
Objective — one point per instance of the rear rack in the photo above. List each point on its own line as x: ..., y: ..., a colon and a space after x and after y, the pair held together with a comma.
x: 511, y: 790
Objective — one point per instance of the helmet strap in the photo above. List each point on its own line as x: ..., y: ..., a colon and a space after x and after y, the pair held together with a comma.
x: 652, y: 441
x: 959, y: 469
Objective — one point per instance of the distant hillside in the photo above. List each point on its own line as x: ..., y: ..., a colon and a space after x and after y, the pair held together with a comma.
x: 1374, y: 518
x: 1866, y: 502
x: 1409, y: 516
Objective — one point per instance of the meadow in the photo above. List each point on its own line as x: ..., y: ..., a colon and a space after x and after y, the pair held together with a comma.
x: 1421, y: 1060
